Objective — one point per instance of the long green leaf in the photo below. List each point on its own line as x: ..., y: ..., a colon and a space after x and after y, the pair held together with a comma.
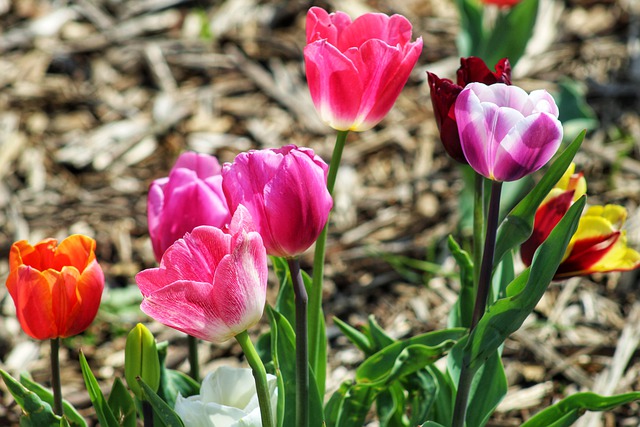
x: 572, y: 407
x: 390, y: 405
x: 507, y: 315
x: 471, y: 36
x: 356, y: 337
x: 511, y: 33
x: 487, y: 390
x: 356, y: 405
x: 462, y: 310
x: 36, y: 412
x: 518, y: 225
x: 160, y: 408
x: 103, y: 411
x: 72, y: 415
x: 122, y: 404
x: 333, y: 406
x: 393, y: 361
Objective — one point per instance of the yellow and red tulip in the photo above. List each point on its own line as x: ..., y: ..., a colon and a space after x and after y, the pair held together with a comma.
x: 598, y: 245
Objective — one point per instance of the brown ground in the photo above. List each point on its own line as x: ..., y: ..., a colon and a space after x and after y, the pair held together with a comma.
x: 98, y: 97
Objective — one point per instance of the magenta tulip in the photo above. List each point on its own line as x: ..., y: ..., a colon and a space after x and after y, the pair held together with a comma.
x: 210, y: 284
x: 190, y: 196
x: 285, y: 192
x: 506, y: 133
x: 356, y: 70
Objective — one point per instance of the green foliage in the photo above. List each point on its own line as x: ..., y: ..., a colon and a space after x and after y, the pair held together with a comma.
x: 100, y: 404
x: 122, y: 405
x: 35, y: 411
x: 73, y: 417
x: 283, y: 346
x: 160, y: 408
x: 173, y: 382
x: 460, y: 315
x: 507, y: 37
x: 575, y: 113
x: 565, y: 412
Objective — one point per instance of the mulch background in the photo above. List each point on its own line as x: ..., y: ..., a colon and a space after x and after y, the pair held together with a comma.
x: 99, y: 97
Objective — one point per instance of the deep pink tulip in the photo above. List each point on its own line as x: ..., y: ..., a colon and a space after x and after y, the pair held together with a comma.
x: 444, y: 93
x: 210, y: 284
x: 506, y: 133
x: 356, y: 70
x: 285, y: 191
x: 190, y: 196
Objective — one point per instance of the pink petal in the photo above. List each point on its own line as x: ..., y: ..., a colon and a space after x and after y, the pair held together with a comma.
x: 528, y: 147
x: 394, y: 31
x: 334, y: 84
x: 203, y: 165
x: 187, y: 306
x: 322, y: 25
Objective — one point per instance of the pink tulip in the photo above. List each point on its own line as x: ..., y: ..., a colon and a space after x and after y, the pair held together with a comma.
x: 285, y: 191
x: 356, y: 70
x: 190, y: 196
x: 210, y: 284
x: 506, y: 133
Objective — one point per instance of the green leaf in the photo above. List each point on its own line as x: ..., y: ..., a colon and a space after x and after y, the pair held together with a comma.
x: 502, y: 277
x: 122, y: 404
x: 569, y: 409
x: 575, y: 112
x: 442, y: 409
x: 431, y: 424
x: 390, y: 405
x: 407, y: 356
x: 332, y: 408
x: 511, y: 33
x: 518, y: 225
x: 471, y: 36
x: 356, y: 337
x: 356, y: 404
x: 421, y: 390
x: 487, y: 390
x: 377, y: 336
x: 173, y: 382
x: 160, y: 408
x: 103, y: 411
x: 36, y: 412
x: 462, y: 310
x: 283, y: 348
x: 507, y: 315
x: 70, y: 413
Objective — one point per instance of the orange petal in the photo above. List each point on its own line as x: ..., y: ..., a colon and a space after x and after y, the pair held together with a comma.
x: 31, y: 293
x: 88, y: 289
x: 76, y: 250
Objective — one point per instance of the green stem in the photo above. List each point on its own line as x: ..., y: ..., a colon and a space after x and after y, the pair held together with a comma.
x: 194, y: 365
x: 302, y: 355
x: 260, y: 377
x: 315, y: 297
x: 484, y: 284
x: 478, y: 238
x: 55, y: 376
x: 147, y: 414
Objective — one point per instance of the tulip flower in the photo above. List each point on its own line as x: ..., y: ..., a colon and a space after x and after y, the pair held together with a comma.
x: 444, y: 93
x: 210, y: 284
x: 506, y: 133
x: 227, y: 399
x: 56, y: 288
x: 285, y: 192
x: 356, y: 70
x: 569, y: 189
x: 190, y: 196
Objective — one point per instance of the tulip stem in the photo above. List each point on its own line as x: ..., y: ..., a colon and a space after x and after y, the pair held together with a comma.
x: 302, y: 355
x: 147, y: 414
x: 260, y: 377
x: 484, y: 284
x: 316, y: 340
x: 55, y: 376
x: 194, y: 366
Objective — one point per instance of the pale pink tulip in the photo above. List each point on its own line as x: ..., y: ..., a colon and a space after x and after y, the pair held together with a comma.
x: 190, y: 196
x: 506, y: 133
x: 285, y: 191
x: 210, y: 284
x: 356, y: 70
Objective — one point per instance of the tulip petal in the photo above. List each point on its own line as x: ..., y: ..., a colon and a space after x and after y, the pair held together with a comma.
x: 187, y: 306
x: 76, y: 250
x: 528, y: 146
x: 31, y: 295
x: 89, y: 288
x: 334, y: 84
x: 203, y: 165
x: 322, y: 25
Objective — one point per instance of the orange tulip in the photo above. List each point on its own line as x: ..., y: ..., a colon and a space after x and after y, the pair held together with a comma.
x: 56, y: 288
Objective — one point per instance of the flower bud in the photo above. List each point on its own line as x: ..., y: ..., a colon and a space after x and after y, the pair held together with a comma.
x: 141, y: 360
